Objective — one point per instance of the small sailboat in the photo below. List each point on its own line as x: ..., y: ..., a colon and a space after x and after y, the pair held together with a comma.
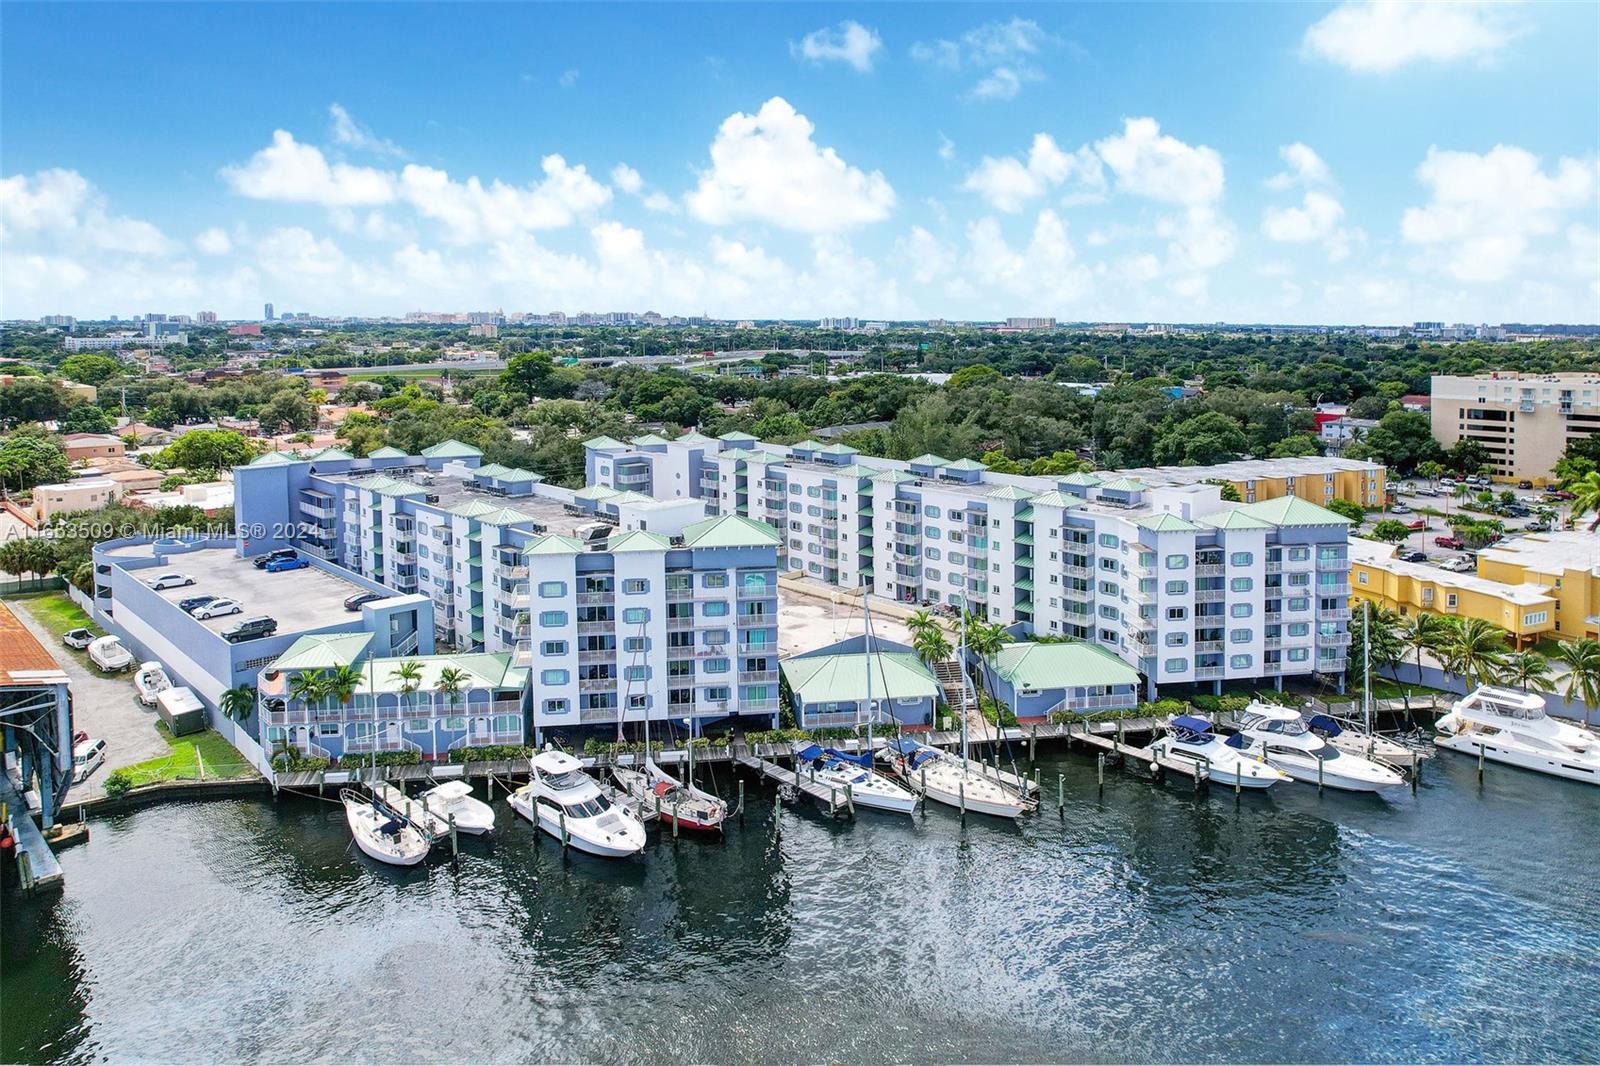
x: 1191, y: 738
x: 1287, y: 741
x: 150, y: 681
x: 1512, y: 727
x: 380, y: 833
x: 568, y: 804
x: 948, y: 779
x: 455, y: 798
x: 841, y: 770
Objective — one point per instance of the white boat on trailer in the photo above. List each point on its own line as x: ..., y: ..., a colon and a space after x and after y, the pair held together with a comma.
x: 1287, y: 741
x: 1507, y: 726
x: 382, y: 834
x: 455, y: 799
x: 949, y: 779
x: 150, y: 681
x: 855, y: 773
x: 568, y: 804
x: 1189, y: 737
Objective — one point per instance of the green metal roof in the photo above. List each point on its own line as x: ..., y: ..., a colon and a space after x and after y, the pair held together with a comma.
x: 896, y: 476
x: 649, y: 438
x: 1082, y: 480
x: 472, y: 509
x: 333, y: 453
x: 384, y: 485
x: 386, y: 452
x: 595, y: 492
x: 450, y: 449
x: 490, y: 470
x: 729, y: 531
x: 323, y: 651
x: 929, y: 460
x: 638, y: 541
x: 835, y: 678
x: 1053, y: 666
x: 1293, y: 511
x: 855, y: 470
x: 807, y: 445
x: 1057, y: 498
x: 966, y: 465
x: 505, y: 516
x: 1010, y: 492
x: 736, y: 435
x: 1025, y: 585
x: 1236, y: 518
x: 516, y: 473
x: 839, y: 449
x: 1025, y: 515
x: 603, y: 443
x: 1165, y: 523
x: 275, y: 459
x: 475, y: 586
x: 1123, y: 484
x: 692, y: 437
x: 555, y: 544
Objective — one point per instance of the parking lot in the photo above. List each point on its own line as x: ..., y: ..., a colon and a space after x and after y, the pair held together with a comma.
x: 298, y: 599
x: 1437, y: 504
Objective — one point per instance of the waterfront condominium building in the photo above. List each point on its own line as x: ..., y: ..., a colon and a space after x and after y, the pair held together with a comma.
x: 616, y: 604
x: 1176, y: 581
x: 1524, y: 421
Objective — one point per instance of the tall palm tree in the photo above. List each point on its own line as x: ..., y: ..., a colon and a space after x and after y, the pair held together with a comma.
x: 984, y: 639
x: 238, y: 703
x: 409, y: 674
x: 42, y: 558
x: 1422, y: 633
x: 1582, y: 659
x: 1475, y: 650
x: 1586, y: 493
x: 343, y: 682
x: 1388, y: 646
x: 309, y: 687
x: 14, y: 558
x: 1527, y: 669
x: 931, y: 644
x: 449, y: 683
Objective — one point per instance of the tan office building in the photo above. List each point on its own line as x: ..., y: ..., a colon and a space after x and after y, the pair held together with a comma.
x: 1523, y: 420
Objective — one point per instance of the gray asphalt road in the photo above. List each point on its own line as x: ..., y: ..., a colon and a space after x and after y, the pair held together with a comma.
x: 103, y: 706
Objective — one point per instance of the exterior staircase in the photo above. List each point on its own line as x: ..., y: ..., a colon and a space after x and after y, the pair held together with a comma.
x: 962, y: 699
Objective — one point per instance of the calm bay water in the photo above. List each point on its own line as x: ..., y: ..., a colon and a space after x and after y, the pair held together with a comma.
x: 1148, y: 924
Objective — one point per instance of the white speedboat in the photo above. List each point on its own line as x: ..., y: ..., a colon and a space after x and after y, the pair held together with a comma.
x: 380, y: 833
x: 150, y: 681
x: 1191, y: 738
x: 1512, y: 727
x: 1285, y: 740
x: 454, y: 798
x: 842, y: 770
x: 565, y: 802
x: 688, y: 806
x: 109, y: 654
x: 944, y: 778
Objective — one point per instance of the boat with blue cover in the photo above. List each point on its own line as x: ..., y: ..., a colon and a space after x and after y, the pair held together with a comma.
x: 842, y: 769
x: 1190, y: 737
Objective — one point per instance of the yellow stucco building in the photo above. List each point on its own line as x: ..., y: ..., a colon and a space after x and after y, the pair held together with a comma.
x: 1566, y: 563
x: 1527, y: 608
x: 1318, y: 479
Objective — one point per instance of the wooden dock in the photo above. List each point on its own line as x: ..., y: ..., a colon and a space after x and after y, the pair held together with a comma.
x: 837, y: 802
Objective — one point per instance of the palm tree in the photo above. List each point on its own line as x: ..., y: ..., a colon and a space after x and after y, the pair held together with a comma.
x: 14, y: 558
x: 1586, y: 493
x: 1582, y: 659
x: 42, y: 558
x: 409, y: 674
x: 1388, y: 646
x: 931, y: 644
x: 1422, y: 633
x: 238, y: 703
x: 309, y: 687
x: 984, y: 639
x: 83, y: 578
x: 343, y: 682
x: 1475, y: 650
x: 1527, y: 669
x: 449, y: 683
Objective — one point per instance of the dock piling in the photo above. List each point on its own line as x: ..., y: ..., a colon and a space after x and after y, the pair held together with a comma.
x: 675, y: 804
x: 454, y: 849
x: 1033, y: 743
x: 849, y: 799
x: 1100, y: 771
x: 741, y: 801
x: 1319, y: 777
x: 963, y: 793
x: 1480, y: 762
x: 924, y: 773
x: 1061, y: 794
x: 564, y: 839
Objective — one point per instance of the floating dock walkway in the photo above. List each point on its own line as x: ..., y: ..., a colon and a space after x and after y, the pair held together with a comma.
x: 838, y: 802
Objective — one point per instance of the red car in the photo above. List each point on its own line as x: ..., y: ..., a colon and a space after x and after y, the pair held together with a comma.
x: 1453, y: 543
x: 1416, y: 525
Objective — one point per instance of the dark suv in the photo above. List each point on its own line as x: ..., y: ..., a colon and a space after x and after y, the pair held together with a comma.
x: 260, y: 562
x: 250, y: 629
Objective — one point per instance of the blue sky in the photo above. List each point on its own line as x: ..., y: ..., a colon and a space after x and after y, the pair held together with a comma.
x: 1355, y: 162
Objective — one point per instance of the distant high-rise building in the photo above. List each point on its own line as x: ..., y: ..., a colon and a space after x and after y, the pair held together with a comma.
x: 206, y: 318
x: 268, y: 316
x: 836, y: 323
x: 1030, y: 323
x: 65, y: 322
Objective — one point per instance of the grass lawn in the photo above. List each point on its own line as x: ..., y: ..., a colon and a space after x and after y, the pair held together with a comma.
x: 199, y: 756
x: 54, y: 611
x: 1385, y: 689
x: 1547, y: 647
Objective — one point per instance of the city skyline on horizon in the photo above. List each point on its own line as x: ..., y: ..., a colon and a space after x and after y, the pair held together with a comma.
x: 962, y: 162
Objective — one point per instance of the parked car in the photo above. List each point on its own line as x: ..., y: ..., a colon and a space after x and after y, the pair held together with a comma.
x: 1560, y: 494
x: 108, y: 654
x: 250, y: 629
x: 1399, y: 508
x: 1461, y: 564
x: 1453, y: 543
x: 218, y: 609
x: 1537, y: 527
x: 169, y: 581
x: 1413, y: 556
x: 1524, y: 484
x: 87, y: 757
x: 1417, y: 525
x: 1427, y: 492
x: 194, y: 601
x: 361, y: 599
x: 278, y: 566
x: 1447, y: 483
x: 260, y: 562
x: 78, y: 638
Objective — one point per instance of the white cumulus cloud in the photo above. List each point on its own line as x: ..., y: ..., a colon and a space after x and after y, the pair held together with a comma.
x: 473, y: 211
x: 1008, y: 183
x: 1152, y: 164
x: 65, y: 208
x: 213, y: 241
x: 352, y: 134
x: 1003, y: 54
x: 1319, y: 215
x: 1381, y: 36
x: 290, y: 171
x: 849, y: 42
x: 767, y: 168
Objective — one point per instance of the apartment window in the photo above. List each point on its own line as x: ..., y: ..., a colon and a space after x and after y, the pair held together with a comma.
x: 1536, y: 618
x: 716, y: 666
x: 553, y: 677
x: 933, y: 573
x: 636, y: 644
x: 1108, y: 611
x: 955, y: 558
x: 1241, y: 610
x: 634, y: 615
x: 931, y: 511
x: 1361, y: 577
x: 1239, y: 636
x: 1176, y: 614
x: 1299, y: 603
x: 1300, y: 580
x: 635, y: 586
x: 553, y: 647
x: 1450, y: 599
x: 716, y: 636
x: 932, y: 532
x: 716, y: 581
x: 1109, y: 540
x: 714, y: 609
x: 1299, y: 629
x: 678, y: 583
x: 1241, y: 558
x: 1175, y: 666
x: 933, y: 553
x: 1177, y: 588
x: 1240, y: 662
x: 552, y: 618
x: 1177, y: 640
x: 1299, y: 655
x: 551, y: 590
x: 1241, y: 584
x: 1299, y: 554
x: 636, y: 673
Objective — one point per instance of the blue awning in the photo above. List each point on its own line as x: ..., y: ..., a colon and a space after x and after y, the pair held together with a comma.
x: 1191, y: 723
x: 1324, y: 724
x: 863, y: 759
x: 808, y: 753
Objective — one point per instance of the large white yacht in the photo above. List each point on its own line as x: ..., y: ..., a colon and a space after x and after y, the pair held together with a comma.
x: 1285, y: 740
x: 951, y: 780
x: 1512, y: 727
x: 868, y: 788
x: 562, y: 799
x: 1189, y: 737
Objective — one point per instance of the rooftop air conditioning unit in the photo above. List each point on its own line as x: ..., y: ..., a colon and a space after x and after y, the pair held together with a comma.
x: 431, y: 497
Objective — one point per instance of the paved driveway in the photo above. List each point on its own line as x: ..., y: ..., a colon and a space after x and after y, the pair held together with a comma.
x: 103, y: 706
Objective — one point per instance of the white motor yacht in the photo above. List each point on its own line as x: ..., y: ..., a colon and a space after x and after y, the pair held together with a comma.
x: 843, y: 770
x: 942, y: 777
x: 1191, y: 738
x: 565, y: 802
x: 1284, y: 739
x: 1512, y: 727
x: 150, y: 681
x: 380, y: 833
x: 455, y: 798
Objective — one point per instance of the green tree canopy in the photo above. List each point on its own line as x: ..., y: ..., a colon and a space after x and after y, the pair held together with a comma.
x: 207, y: 451
x: 27, y: 460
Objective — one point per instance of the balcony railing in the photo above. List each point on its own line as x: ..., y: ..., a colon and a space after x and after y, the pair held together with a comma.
x: 590, y: 715
x: 1334, y: 614
x: 757, y: 592
x: 588, y: 629
x: 596, y: 655
x: 596, y: 684
x: 757, y: 677
x: 678, y: 624
x: 596, y: 599
x: 758, y: 649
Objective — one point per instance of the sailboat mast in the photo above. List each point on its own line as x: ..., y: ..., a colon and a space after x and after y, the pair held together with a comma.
x: 866, y: 620
x: 1366, y: 669
x: 961, y: 664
